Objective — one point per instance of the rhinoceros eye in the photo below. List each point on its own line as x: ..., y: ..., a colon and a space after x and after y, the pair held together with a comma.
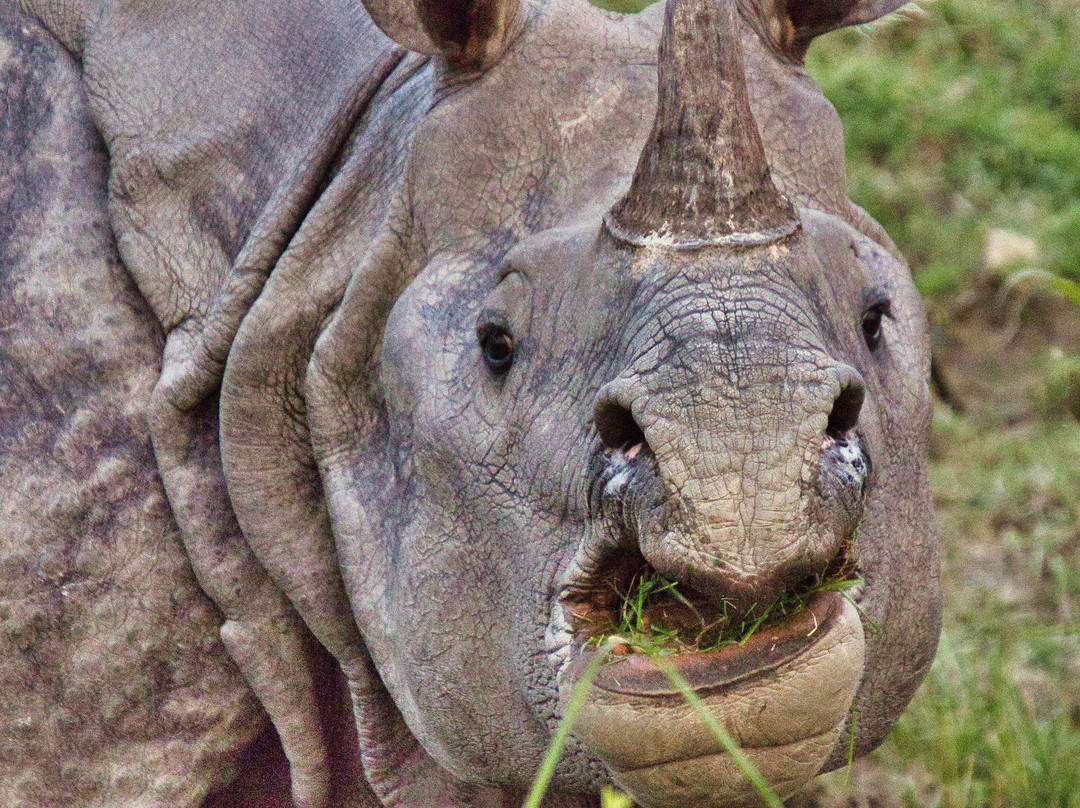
x: 871, y: 325
x: 497, y: 345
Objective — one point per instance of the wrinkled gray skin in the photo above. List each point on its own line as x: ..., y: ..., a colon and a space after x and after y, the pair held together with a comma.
x: 254, y: 463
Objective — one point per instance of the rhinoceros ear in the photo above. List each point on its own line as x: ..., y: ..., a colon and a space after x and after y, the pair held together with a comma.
x: 470, y: 34
x: 811, y: 18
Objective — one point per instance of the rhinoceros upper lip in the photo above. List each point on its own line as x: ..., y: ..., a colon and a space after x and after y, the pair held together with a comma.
x: 712, y: 672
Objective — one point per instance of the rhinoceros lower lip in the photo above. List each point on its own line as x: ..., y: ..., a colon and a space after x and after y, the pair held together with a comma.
x: 712, y: 672
x: 783, y: 696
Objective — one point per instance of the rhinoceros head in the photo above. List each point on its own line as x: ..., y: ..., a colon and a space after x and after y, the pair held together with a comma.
x: 449, y: 338
x: 578, y: 353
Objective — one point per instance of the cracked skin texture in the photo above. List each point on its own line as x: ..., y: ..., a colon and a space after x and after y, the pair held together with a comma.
x: 253, y: 470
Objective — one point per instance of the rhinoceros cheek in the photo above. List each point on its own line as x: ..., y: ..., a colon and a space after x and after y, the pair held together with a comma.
x: 786, y: 720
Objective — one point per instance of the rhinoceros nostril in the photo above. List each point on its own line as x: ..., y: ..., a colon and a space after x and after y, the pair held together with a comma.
x: 845, y: 411
x: 617, y: 427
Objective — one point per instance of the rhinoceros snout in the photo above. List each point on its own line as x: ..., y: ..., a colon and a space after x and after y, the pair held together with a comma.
x: 843, y: 475
x: 739, y: 518
x: 720, y: 570
x: 844, y: 465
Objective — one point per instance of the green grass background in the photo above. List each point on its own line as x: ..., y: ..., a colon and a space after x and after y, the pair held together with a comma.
x: 962, y: 123
x: 959, y: 123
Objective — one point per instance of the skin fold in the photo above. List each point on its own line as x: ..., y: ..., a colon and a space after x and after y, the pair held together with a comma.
x: 273, y: 530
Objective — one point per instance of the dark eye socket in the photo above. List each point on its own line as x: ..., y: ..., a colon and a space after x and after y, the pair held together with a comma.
x: 871, y: 325
x: 497, y: 345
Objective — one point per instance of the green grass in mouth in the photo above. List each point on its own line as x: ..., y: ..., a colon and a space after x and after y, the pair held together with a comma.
x: 655, y: 618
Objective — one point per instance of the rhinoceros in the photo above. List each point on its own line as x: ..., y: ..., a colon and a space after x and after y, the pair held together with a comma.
x: 355, y: 360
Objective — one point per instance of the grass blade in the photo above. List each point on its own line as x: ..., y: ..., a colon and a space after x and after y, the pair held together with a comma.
x: 558, y: 741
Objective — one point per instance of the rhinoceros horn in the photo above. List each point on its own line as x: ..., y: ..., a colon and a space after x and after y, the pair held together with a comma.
x: 702, y: 178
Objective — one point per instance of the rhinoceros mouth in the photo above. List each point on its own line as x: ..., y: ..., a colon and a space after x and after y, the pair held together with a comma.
x: 781, y: 680
x: 784, y: 696
x: 622, y: 599
x: 716, y: 671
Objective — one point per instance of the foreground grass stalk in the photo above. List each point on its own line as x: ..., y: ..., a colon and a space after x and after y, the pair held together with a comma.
x: 746, y: 766
x: 1059, y: 285
x: 853, y: 729
x: 612, y: 798
x: 558, y: 742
